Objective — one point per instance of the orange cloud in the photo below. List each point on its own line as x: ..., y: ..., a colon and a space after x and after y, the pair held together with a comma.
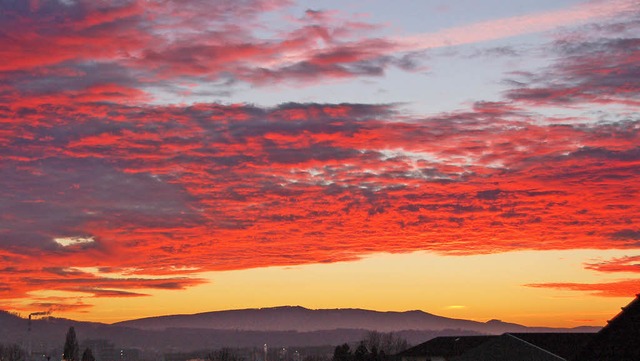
x: 299, y: 183
x: 623, y: 264
x: 624, y: 288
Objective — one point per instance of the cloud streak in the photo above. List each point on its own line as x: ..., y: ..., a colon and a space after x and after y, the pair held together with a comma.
x: 518, y: 25
x: 607, y: 289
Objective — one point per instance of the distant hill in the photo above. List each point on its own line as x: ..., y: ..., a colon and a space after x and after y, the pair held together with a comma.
x: 306, y: 320
x: 49, y: 335
x: 281, y: 326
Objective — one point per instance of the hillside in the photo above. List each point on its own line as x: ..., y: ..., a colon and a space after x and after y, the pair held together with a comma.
x: 306, y: 320
x: 282, y: 326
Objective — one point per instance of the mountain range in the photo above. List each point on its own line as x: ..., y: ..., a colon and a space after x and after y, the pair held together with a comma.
x: 282, y: 326
x: 300, y: 319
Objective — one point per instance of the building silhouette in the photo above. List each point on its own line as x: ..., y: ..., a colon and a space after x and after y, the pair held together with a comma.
x: 619, y: 340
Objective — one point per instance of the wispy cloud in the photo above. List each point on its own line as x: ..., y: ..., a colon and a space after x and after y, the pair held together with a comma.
x: 622, y: 264
x: 518, y: 25
x: 624, y: 288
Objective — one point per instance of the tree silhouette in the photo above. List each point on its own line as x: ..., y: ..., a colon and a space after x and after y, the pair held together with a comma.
x: 375, y: 346
x: 373, y: 355
x: 384, y: 343
x: 12, y: 353
x: 87, y: 355
x: 224, y: 354
x: 360, y: 353
x: 342, y: 353
x: 71, y: 351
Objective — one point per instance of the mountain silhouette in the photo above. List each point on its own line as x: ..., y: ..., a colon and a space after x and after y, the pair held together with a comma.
x: 283, y: 326
x: 296, y: 318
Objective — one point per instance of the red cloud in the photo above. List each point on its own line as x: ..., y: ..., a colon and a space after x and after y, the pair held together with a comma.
x: 59, y: 32
x: 624, y: 288
x: 202, y: 190
x: 622, y: 264
x: 59, y: 305
x: 597, y: 72
x: 165, y: 43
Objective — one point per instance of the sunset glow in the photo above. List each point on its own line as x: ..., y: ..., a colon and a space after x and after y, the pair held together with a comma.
x: 472, y: 161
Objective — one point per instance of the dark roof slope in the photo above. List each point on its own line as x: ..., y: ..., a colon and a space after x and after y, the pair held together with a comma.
x: 508, y: 347
x: 619, y: 340
x: 565, y: 345
x: 445, y: 346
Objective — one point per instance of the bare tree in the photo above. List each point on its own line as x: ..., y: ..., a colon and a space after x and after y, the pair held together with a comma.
x: 224, y: 354
x: 386, y: 344
x: 12, y: 353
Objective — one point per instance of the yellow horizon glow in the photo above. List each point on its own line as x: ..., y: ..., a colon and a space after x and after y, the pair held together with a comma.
x: 450, y: 286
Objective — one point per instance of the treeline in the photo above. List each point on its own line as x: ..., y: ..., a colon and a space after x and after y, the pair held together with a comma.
x: 12, y: 352
x: 375, y: 346
x: 304, y: 353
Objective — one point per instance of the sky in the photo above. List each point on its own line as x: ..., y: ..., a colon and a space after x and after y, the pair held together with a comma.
x: 476, y: 160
